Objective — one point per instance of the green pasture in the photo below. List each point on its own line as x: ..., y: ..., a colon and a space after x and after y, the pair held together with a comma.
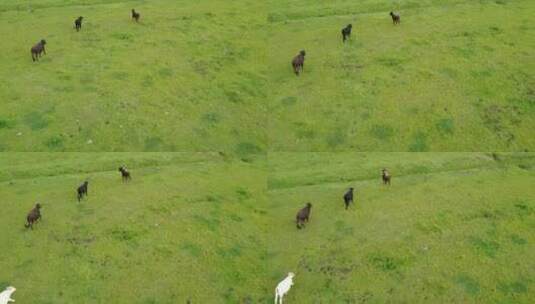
x: 187, y: 227
x: 455, y: 75
x: 186, y: 78
x: 451, y: 228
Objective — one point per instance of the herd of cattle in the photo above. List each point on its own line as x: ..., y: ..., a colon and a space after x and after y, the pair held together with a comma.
x: 302, y: 216
x: 299, y: 61
x: 35, y: 214
x: 39, y: 49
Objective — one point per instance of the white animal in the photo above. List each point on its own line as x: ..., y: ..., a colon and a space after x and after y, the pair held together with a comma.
x: 5, y: 296
x: 283, y: 287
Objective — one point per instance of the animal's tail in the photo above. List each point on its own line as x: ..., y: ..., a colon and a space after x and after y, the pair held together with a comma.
x: 27, y: 225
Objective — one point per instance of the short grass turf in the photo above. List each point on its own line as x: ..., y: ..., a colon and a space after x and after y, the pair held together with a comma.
x: 187, y: 227
x: 455, y: 75
x: 451, y: 228
x: 186, y: 78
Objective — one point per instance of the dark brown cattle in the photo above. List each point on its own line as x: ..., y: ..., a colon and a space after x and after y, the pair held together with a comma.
x: 78, y: 23
x: 386, y: 177
x: 38, y: 49
x: 346, y: 32
x: 303, y: 216
x: 82, y: 190
x: 135, y: 15
x: 348, y: 197
x: 33, y: 216
x: 298, y: 62
x: 396, y: 19
x: 124, y: 173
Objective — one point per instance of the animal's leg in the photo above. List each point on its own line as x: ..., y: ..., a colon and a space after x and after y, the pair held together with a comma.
x: 276, y: 297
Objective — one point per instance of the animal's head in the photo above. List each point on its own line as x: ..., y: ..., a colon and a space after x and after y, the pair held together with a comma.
x: 349, y: 26
x: 37, y: 206
x: 133, y: 10
x: 302, y: 53
x: 121, y: 169
x: 384, y: 170
x: 86, y: 183
x: 11, y: 289
x: 80, y: 18
x: 351, y: 189
x: 391, y: 13
x: 291, y: 275
x: 309, y: 205
x: 43, y: 42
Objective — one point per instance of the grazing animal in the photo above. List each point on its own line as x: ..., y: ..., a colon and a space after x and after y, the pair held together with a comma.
x: 124, y: 173
x: 298, y: 62
x: 33, y: 216
x: 346, y: 32
x: 78, y: 23
x: 283, y: 287
x: 386, y: 177
x: 303, y: 216
x: 348, y: 197
x: 82, y: 190
x: 38, y: 49
x: 135, y: 15
x: 396, y: 19
x: 5, y: 296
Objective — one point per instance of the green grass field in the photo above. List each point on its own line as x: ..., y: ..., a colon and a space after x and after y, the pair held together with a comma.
x: 456, y: 75
x: 186, y: 78
x: 188, y: 226
x: 452, y: 228
x: 209, y: 75
x: 225, y: 144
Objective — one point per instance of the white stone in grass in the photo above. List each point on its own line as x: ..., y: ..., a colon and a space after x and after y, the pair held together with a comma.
x: 5, y: 296
x: 19, y: 134
x: 89, y: 141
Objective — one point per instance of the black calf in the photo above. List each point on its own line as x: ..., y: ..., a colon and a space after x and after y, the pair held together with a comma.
x: 82, y: 190
x: 348, y: 197
x: 78, y: 23
x: 346, y: 32
x: 37, y: 49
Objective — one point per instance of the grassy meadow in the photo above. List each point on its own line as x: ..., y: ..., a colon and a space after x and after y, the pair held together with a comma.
x: 187, y: 227
x: 455, y: 75
x: 186, y: 78
x: 209, y: 228
x: 451, y: 228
